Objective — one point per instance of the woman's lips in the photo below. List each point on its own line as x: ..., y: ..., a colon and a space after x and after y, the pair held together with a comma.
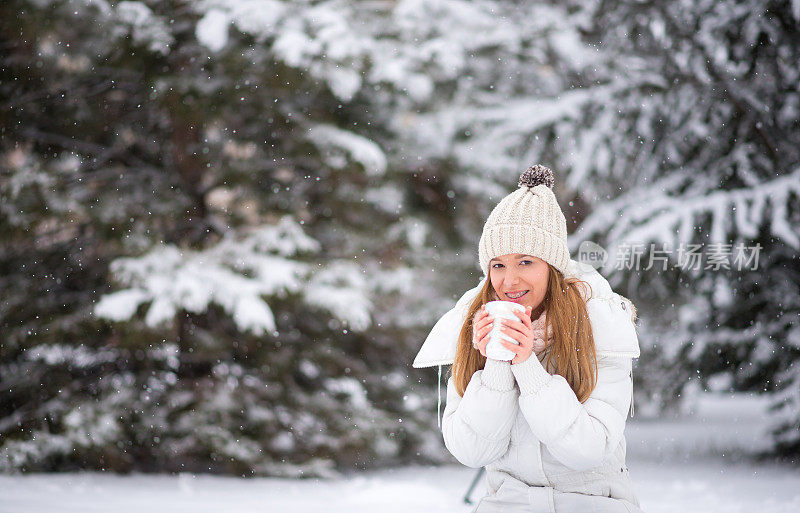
x: 516, y: 299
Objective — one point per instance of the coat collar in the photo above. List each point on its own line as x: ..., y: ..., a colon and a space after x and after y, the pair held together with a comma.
x: 612, y: 317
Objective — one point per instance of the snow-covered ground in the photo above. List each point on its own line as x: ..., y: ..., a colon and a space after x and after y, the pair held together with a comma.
x: 675, y: 487
x: 694, y: 463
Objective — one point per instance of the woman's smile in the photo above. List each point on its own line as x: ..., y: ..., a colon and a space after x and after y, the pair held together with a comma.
x: 513, y: 296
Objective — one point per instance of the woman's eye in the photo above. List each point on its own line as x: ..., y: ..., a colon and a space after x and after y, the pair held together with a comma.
x: 528, y: 261
x: 495, y: 266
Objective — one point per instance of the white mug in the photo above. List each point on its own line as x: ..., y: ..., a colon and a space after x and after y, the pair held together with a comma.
x: 501, y: 310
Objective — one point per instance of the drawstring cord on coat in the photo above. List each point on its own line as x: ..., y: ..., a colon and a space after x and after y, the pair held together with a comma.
x: 631, y: 393
x: 439, y: 398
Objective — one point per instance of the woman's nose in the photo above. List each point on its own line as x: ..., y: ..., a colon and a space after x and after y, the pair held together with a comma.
x: 511, y: 278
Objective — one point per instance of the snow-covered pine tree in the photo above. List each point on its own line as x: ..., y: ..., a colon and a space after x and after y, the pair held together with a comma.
x: 208, y: 262
x: 711, y: 116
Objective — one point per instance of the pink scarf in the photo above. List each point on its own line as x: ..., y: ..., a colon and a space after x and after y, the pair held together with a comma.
x: 539, y: 342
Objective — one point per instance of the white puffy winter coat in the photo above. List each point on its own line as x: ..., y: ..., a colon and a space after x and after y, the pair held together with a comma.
x: 543, y: 450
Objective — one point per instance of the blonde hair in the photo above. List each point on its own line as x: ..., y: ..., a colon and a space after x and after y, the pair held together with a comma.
x: 572, y: 353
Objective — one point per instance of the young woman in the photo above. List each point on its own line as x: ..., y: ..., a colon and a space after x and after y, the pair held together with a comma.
x: 547, y: 425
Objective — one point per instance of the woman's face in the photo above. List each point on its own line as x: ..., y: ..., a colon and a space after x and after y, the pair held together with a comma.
x: 516, y: 274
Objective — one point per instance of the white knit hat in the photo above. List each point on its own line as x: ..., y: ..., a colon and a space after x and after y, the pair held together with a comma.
x: 527, y: 221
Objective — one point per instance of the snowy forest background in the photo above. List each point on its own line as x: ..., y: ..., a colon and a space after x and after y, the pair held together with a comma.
x: 227, y: 226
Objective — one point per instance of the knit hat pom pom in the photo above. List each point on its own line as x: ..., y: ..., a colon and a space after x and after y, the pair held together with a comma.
x: 537, y: 175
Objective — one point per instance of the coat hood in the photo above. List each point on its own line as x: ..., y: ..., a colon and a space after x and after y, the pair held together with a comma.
x: 612, y: 317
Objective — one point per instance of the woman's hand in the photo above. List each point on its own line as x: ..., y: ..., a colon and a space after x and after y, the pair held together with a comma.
x: 481, y: 326
x: 522, y: 332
